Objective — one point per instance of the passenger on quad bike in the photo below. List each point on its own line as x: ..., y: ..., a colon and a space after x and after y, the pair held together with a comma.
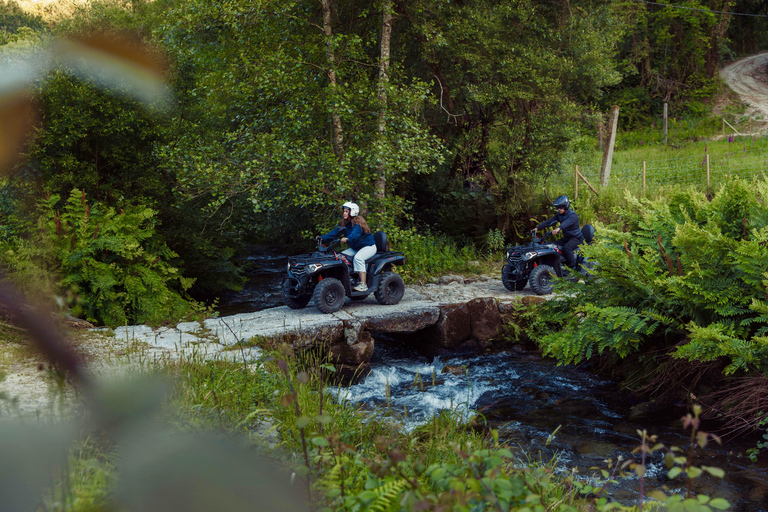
x: 569, y: 226
x: 358, y: 236
x: 327, y: 277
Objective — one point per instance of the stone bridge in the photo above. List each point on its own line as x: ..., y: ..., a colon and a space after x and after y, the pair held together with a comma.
x: 455, y: 314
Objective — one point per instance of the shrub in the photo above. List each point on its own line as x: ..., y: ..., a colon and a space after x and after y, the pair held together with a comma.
x: 688, y: 276
x: 108, y: 264
x: 429, y: 255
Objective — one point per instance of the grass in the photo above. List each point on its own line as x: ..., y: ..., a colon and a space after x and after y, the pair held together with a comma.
x: 341, y: 455
x: 14, y: 346
x: 432, y: 255
x: 684, y: 164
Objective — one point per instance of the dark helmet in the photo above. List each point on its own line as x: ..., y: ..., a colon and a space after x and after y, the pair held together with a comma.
x: 562, y: 202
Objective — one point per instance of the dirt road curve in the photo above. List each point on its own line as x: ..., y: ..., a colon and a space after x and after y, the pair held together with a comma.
x: 748, y: 78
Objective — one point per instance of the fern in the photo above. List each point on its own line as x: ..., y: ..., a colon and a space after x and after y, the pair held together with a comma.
x: 107, y: 263
x: 687, y: 270
x: 386, y: 495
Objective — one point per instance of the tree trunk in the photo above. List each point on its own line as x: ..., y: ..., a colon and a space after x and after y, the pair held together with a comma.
x: 713, y: 53
x: 338, y: 132
x: 386, y: 35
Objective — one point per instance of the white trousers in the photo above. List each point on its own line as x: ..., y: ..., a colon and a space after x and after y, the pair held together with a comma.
x: 359, y: 257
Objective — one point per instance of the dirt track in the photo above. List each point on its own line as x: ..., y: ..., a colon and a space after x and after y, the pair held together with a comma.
x: 748, y: 78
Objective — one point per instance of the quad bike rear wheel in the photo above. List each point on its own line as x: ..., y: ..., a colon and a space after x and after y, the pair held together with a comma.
x: 329, y: 295
x: 541, y: 280
x: 291, y: 301
x: 391, y: 289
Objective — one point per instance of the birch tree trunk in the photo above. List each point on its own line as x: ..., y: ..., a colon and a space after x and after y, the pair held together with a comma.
x: 386, y: 35
x: 338, y: 133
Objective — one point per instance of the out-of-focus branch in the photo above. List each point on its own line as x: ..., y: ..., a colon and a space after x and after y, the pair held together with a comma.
x: 43, y: 332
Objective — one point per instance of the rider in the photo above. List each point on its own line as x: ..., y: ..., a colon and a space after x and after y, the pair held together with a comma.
x: 569, y: 225
x: 359, y: 237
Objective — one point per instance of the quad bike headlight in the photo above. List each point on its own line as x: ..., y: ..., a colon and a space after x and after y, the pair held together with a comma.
x: 314, y: 267
x: 288, y: 268
x: 529, y: 255
x: 507, y: 254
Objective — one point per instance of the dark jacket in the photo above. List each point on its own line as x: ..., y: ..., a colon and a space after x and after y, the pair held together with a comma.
x: 355, y: 236
x: 569, y: 225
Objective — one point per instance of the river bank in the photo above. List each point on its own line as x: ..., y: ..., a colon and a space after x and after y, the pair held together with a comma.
x: 515, y: 392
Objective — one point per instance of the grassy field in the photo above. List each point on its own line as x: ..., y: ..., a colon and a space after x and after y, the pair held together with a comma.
x: 681, y: 164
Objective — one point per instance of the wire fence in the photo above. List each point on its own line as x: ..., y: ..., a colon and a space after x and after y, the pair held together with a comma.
x: 646, y: 176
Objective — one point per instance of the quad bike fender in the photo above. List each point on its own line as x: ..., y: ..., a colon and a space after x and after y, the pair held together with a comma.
x: 340, y: 272
x: 553, y: 260
x: 386, y: 263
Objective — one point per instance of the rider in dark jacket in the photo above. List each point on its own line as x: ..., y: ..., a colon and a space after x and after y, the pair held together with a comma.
x: 569, y: 226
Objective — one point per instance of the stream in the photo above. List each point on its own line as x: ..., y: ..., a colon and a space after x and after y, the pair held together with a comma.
x: 527, y: 398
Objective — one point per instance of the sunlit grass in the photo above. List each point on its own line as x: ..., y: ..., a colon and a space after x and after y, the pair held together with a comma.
x: 686, y: 165
x: 53, y: 10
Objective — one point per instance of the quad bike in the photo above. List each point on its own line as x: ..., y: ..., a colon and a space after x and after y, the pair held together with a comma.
x: 327, y: 277
x: 536, y: 262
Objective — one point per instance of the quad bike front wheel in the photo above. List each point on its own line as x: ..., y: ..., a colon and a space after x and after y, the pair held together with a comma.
x: 291, y: 301
x: 391, y: 289
x: 329, y: 295
x: 541, y: 280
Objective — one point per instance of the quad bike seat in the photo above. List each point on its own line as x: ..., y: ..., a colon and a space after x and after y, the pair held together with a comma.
x: 382, y: 249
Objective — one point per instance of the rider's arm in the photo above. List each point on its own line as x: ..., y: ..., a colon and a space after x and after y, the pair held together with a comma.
x: 354, y: 234
x: 547, y: 223
x: 332, y: 234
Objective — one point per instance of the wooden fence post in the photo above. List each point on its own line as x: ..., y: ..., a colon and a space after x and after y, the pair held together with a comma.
x: 707, y: 173
x: 643, y: 177
x: 665, y: 123
x: 605, y: 169
x: 576, y: 184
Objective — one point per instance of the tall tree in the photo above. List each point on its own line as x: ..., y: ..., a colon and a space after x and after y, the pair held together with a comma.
x: 514, y: 79
x: 386, y: 36
x: 330, y: 55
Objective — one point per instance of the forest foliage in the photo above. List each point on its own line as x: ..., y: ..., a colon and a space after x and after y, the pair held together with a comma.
x: 283, y: 110
x: 679, y: 280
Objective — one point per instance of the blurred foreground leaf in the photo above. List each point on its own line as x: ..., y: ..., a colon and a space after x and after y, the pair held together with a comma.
x: 119, y: 62
x: 200, y: 473
x: 17, y: 115
x: 28, y: 458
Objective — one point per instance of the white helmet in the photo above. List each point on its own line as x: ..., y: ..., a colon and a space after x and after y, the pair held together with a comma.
x: 353, y: 208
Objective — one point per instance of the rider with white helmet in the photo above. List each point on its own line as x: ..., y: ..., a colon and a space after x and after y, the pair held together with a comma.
x: 358, y: 236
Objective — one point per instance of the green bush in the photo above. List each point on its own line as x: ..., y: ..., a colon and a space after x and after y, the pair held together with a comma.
x: 429, y: 255
x: 681, y: 276
x: 106, y: 263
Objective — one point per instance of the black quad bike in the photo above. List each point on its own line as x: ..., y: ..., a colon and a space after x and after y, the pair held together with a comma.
x: 536, y: 262
x: 328, y: 277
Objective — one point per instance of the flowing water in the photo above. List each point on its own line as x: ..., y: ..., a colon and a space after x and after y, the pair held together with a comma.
x: 527, y: 398
x: 548, y: 411
x: 264, y: 275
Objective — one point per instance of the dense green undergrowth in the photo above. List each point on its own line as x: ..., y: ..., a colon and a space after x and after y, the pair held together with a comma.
x: 680, y: 279
x: 347, y: 458
x: 105, y: 266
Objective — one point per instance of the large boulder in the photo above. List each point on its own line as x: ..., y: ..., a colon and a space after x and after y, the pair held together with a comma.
x: 485, y: 319
x: 452, y: 328
x: 354, y: 354
x: 394, y: 319
x: 507, y: 312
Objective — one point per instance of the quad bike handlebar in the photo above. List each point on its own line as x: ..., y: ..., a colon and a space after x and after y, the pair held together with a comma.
x: 539, y: 239
x: 324, y: 248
